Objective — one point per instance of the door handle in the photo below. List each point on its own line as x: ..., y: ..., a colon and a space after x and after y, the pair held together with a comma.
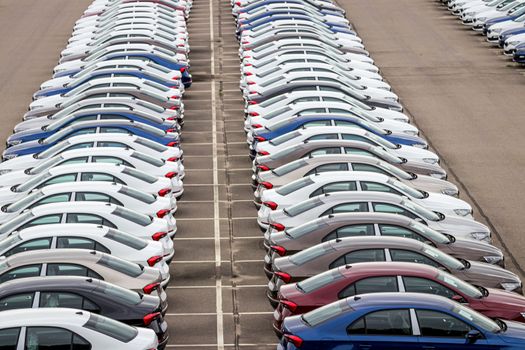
x: 428, y: 347
x: 365, y: 346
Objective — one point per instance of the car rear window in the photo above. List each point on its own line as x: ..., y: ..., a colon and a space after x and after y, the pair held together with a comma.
x: 151, y: 144
x: 310, y: 254
x: 289, y: 167
x: 138, y: 195
x: 322, y: 314
x: 132, y: 216
x: 303, y: 206
x: 304, y: 229
x: 294, y: 186
x: 126, y: 239
x: 148, y: 159
x: 116, y: 292
x: 319, y: 281
x: 111, y: 328
x: 283, y: 138
x: 139, y: 175
x: 121, y: 265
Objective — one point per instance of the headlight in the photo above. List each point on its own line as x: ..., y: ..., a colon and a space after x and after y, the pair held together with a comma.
x: 496, y: 30
x: 463, y: 212
x: 510, y: 286
x: 430, y: 160
x: 420, y: 145
x: 9, y: 156
x: 411, y: 132
x: 522, y: 314
x: 492, y: 259
x: 481, y: 19
x: 14, y: 142
x: 403, y: 120
x: 514, y: 43
x: 391, y: 98
x: 450, y: 191
x: 5, y: 171
x: 480, y: 236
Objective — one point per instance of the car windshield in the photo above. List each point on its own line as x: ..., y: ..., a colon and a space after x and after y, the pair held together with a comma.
x: 132, y: 216
x: 310, y: 254
x: 478, y: 319
x: 442, y: 258
x: 381, y: 141
x: 51, y: 162
x: 385, y: 155
x: 51, y: 151
x: 8, y: 242
x: 305, y: 229
x: 31, y: 183
x: 464, y: 287
x: 324, y: 313
x: 126, y: 239
x: 427, y: 214
x: 111, y: 328
x: 294, y: 186
x: 24, y: 202
x: 430, y: 234
x: 412, y: 192
x: 15, y: 222
x: 302, y: 207
x: 289, y: 167
x: 284, y: 138
x: 393, y: 170
x: 319, y: 281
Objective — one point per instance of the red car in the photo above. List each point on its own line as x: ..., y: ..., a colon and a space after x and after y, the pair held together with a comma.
x: 373, y: 277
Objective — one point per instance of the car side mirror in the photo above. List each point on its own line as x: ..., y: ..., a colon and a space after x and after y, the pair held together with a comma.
x: 458, y: 299
x: 473, y: 336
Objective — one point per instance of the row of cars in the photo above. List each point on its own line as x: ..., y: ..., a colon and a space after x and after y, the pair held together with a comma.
x: 501, y: 21
x: 89, y: 185
x: 367, y: 243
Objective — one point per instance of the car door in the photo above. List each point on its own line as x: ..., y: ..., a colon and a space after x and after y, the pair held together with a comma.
x: 38, y: 338
x: 383, y: 330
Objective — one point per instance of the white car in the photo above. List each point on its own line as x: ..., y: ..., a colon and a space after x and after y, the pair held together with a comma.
x: 344, y: 133
x: 44, y: 328
x: 114, y: 155
x: 512, y: 42
x: 481, y: 18
x: 93, y: 191
x: 125, y: 245
x: 311, y: 186
x: 105, y: 214
x: 494, y: 31
x: 126, y: 141
x: 344, y: 202
x: 91, y: 172
x: 469, y: 13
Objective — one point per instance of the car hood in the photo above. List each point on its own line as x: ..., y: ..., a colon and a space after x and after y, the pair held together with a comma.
x: 514, y: 334
x: 432, y: 184
x: 471, y: 248
x: 487, y: 272
x: 438, y: 201
x: 501, y: 299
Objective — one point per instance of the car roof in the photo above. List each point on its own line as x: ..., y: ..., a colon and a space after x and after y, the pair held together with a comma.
x: 43, y: 317
x: 59, y: 229
x: 73, y: 207
x: 96, y: 186
x: 360, y: 196
x: 55, y: 255
x: 379, y: 268
x: 376, y: 242
x: 349, y: 175
x: 21, y: 285
x: 87, y: 167
x: 406, y: 300
x: 372, y: 217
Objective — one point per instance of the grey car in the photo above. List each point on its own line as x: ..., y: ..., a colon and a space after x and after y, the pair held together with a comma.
x: 351, y: 250
x: 374, y: 224
x: 347, y: 162
x: 321, y: 147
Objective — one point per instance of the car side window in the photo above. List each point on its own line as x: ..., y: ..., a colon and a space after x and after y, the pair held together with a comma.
x: 438, y: 324
x: 35, y: 244
x: 358, y: 151
x: 323, y: 151
x: 322, y: 137
x: 317, y: 123
x: 43, y: 220
x: 398, y: 231
x: 364, y: 255
x: 352, y: 137
x: 60, y: 269
x: 106, y: 130
x: 21, y: 272
x: 17, y: 301
x: 111, y: 144
x: 95, y: 197
x: 80, y: 243
x: 88, y: 219
x: 67, y: 300
x: 100, y: 177
x: 79, y: 146
x: 58, y: 180
x: 9, y: 338
x: 56, y: 198
x: 370, y: 285
x: 423, y: 285
x: 409, y: 256
x: 335, y: 187
x: 369, y: 168
x: 112, y: 160
x: 348, y: 208
x: 377, y: 187
x: 77, y: 160
x: 83, y: 131
x: 328, y: 167
x: 351, y: 231
x: 39, y: 338
x: 384, y: 322
x: 392, y: 209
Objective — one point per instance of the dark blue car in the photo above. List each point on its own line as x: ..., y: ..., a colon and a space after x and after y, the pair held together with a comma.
x: 166, y: 138
x: 153, y: 56
x: 399, y: 321
x: 294, y: 123
x: 508, y: 33
x: 519, y: 55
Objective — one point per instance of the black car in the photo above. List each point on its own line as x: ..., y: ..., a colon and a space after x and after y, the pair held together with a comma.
x: 87, y: 294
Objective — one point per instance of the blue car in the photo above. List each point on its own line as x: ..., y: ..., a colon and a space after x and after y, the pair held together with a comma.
x: 508, y: 33
x: 510, y: 17
x: 132, y: 72
x: 519, y: 55
x: 399, y: 321
x: 167, y: 138
x: 154, y: 56
x: 294, y: 123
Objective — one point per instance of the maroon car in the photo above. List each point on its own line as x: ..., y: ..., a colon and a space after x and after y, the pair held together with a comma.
x: 373, y: 277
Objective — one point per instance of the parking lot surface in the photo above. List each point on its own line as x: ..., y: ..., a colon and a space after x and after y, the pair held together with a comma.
x: 466, y: 98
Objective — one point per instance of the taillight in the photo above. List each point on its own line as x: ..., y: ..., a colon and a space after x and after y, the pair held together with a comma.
x: 251, y: 82
x: 150, y: 318
x: 171, y: 118
x: 266, y: 185
x: 174, y: 108
x: 171, y: 130
x: 157, y: 236
x: 263, y: 168
x: 172, y: 159
x: 295, y: 340
x: 254, y: 114
x: 162, y: 213
x: 172, y: 144
x: 259, y: 138
x: 154, y: 259
x: 164, y: 192
x: 279, y: 250
x: 247, y: 64
x: 171, y: 174
x: 286, y: 278
x: 238, y: 3
x: 248, y: 73
x: 278, y: 227
x: 271, y: 205
x: 256, y: 126
x: 252, y: 102
x: 151, y: 287
x: 183, y: 69
x: 263, y: 153
x: 289, y: 305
